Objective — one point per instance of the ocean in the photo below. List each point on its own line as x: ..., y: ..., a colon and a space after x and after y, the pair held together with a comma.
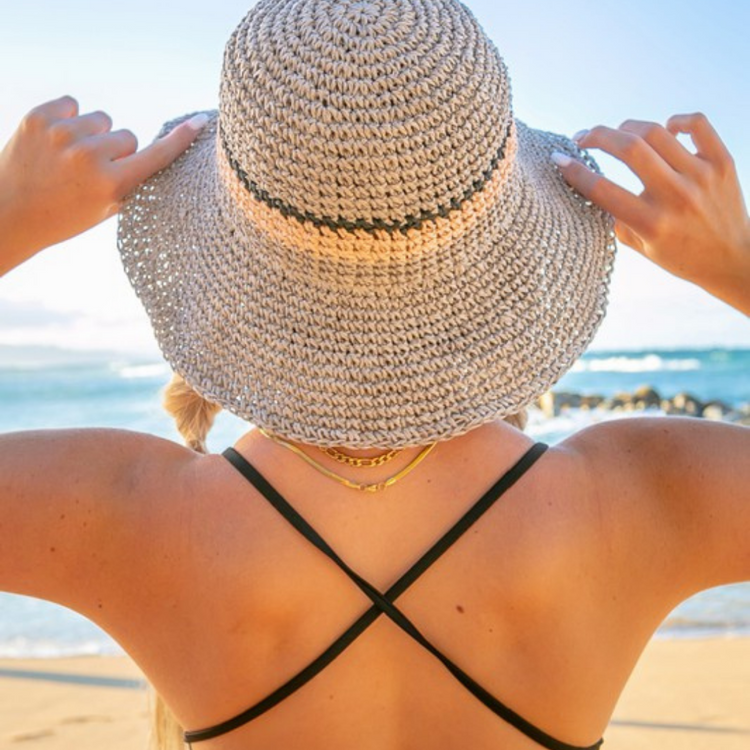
x: 45, y: 388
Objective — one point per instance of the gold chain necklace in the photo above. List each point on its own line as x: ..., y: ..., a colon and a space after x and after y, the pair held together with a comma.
x: 373, y: 487
x: 360, y: 462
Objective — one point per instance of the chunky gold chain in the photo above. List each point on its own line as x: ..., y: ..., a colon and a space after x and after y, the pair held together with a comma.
x: 364, y: 487
x: 360, y: 461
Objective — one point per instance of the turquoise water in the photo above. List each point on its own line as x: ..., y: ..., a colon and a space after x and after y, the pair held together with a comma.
x: 46, y: 389
x: 708, y: 374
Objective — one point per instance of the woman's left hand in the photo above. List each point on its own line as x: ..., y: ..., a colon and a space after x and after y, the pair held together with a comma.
x: 62, y: 173
x: 690, y: 218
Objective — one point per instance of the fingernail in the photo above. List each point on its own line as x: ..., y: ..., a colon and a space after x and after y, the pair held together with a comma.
x: 198, y: 122
x: 580, y: 135
x: 562, y: 160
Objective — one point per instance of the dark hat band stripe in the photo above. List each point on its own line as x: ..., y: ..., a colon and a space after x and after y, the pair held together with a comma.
x: 411, y: 222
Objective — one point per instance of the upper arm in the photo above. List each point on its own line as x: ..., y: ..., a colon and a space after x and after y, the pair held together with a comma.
x: 685, y: 515
x: 79, y: 510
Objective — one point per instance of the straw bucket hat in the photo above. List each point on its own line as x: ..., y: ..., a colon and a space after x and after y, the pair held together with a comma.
x: 364, y: 247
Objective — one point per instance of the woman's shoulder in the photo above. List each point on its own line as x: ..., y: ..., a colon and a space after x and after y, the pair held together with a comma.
x: 674, y: 488
x: 645, y: 446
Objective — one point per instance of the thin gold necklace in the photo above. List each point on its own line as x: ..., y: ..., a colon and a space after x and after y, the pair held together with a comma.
x: 360, y: 461
x: 373, y: 487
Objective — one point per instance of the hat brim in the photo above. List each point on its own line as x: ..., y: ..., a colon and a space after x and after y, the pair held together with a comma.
x: 369, y: 354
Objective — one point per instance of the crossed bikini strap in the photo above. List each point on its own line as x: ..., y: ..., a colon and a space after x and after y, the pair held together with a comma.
x: 383, y: 603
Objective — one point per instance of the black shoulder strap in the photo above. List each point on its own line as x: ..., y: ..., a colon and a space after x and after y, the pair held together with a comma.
x: 383, y: 603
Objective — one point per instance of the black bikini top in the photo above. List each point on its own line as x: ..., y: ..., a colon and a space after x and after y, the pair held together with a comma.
x: 383, y: 603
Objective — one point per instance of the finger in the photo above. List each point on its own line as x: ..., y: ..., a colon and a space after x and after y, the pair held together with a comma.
x: 86, y: 125
x: 116, y: 145
x: 621, y: 203
x: 663, y: 142
x: 628, y: 237
x: 57, y: 109
x: 635, y: 152
x: 160, y: 154
x: 707, y: 141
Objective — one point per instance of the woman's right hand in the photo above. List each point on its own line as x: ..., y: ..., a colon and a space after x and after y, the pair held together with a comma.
x: 690, y: 218
x: 62, y: 173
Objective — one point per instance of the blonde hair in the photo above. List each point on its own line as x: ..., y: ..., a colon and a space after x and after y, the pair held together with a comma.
x: 166, y: 732
x: 194, y: 416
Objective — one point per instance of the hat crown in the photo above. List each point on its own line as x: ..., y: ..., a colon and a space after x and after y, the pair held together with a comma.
x: 374, y: 112
x: 260, y: 255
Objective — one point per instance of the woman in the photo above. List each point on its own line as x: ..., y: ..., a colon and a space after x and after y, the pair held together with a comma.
x: 380, y: 275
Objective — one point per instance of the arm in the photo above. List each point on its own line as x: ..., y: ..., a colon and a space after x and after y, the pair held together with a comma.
x: 73, y: 502
x: 62, y: 173
x: 82, y: 511
x: 690, y: 218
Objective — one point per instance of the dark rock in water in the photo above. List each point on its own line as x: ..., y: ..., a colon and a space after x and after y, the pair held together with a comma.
x: 552, y: 403
x: 619, y: 402
x: 716, y: 410
x: 591, y: 402
x: 668, y: 407
x: 568, y: 400
x: 646, y: 397
x: 686, y: 403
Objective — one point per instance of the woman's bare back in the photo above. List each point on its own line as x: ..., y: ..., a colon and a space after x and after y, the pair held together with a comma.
x: 547, y: 601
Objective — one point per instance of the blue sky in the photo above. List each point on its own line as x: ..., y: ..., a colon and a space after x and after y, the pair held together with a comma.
x: 572, y: 65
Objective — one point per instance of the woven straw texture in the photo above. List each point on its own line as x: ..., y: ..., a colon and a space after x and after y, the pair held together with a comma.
x: 364, y: 247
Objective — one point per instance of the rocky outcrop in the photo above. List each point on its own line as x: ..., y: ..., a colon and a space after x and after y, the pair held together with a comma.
x: 554, y: 403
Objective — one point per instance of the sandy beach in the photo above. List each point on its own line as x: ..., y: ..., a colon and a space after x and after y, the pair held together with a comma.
x: 686, y: 694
